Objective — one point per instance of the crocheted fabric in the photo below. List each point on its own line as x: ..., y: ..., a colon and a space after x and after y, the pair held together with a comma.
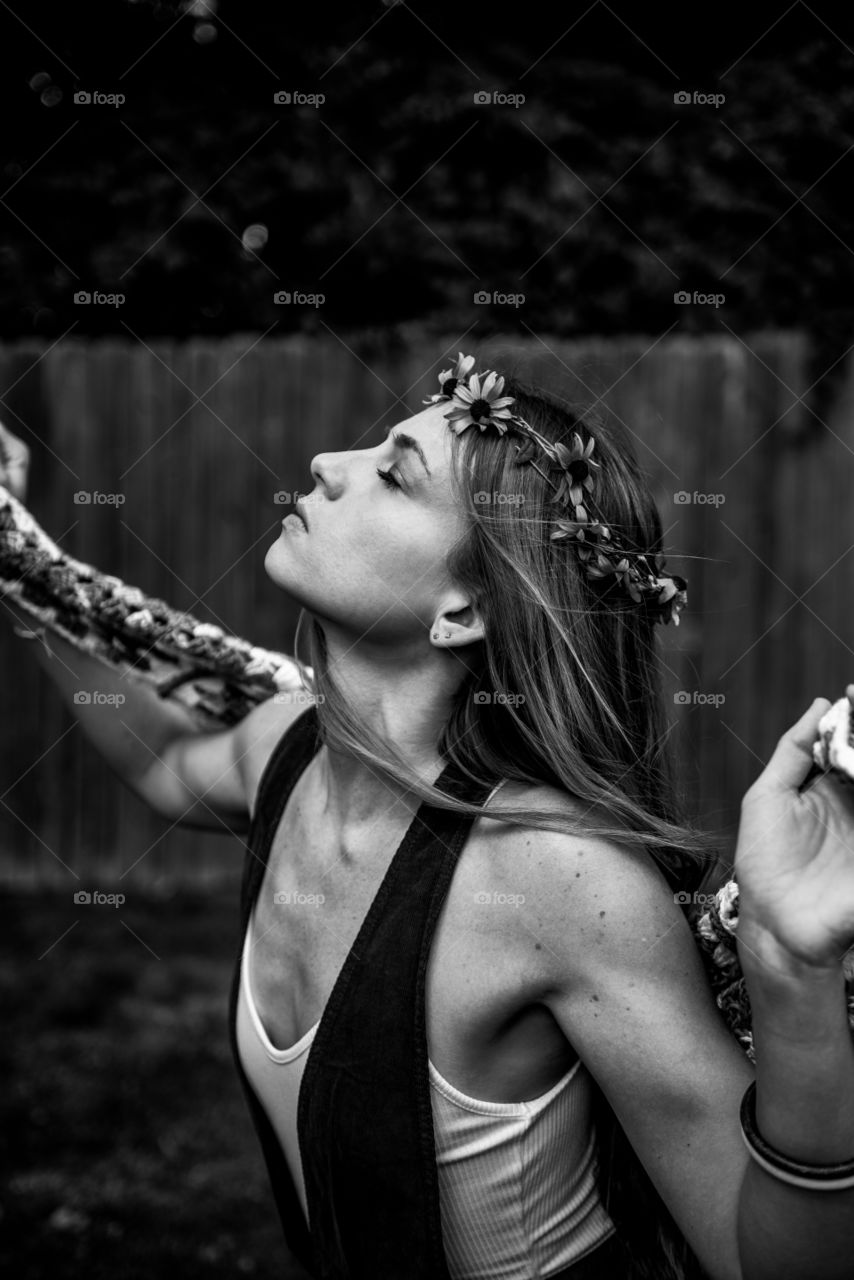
x: 217, y: 677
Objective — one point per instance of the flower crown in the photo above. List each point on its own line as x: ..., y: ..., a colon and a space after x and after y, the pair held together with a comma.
x: 480, y: 403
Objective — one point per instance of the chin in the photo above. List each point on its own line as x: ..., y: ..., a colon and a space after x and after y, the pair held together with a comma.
x: 279, y: 565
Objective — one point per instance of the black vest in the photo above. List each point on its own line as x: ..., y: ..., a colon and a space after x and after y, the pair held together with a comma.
x: 364, y: 1117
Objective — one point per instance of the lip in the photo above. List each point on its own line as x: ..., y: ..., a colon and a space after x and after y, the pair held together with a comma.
x: 292, y: 521
x: 300, y: 512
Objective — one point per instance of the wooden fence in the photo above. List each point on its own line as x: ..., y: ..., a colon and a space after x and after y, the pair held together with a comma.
x: 199, y: 436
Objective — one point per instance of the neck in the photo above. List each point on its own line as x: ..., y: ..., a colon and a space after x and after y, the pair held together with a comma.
x: 405, y: 700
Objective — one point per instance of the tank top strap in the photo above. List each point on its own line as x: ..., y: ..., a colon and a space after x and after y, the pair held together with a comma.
x: 364, y: 1115
x: 287, y: 760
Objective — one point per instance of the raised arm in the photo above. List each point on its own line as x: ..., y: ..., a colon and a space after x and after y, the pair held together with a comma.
x: 191, y: 777
x: 629, y: 991
x: 154, y: 744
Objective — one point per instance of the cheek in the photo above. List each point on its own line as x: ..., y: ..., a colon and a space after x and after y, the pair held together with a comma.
x: 381, y: 572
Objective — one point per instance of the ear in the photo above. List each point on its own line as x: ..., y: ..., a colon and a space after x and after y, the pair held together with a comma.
x: 455, y: 627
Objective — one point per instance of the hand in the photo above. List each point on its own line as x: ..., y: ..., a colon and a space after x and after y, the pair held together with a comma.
x: 14, y: 464
x: 794, y: 859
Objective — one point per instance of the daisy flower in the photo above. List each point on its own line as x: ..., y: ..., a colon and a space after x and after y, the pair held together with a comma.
x: 480, y: 405
x: 449, y: 379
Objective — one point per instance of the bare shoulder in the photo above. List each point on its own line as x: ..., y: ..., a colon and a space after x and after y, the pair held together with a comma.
x: 258, y: 733
x: 590, y: 892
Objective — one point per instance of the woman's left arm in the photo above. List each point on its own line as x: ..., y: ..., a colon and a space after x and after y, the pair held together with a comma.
x: 795, y: 869
x: 629, y: 991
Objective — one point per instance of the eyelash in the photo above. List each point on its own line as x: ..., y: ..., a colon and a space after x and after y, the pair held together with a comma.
x: 388, y: 479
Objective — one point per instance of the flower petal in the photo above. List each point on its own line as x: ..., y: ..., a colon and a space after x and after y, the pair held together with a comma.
x: 488, y: 383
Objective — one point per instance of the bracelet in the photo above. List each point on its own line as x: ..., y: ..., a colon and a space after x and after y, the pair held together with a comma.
x: 814, y: 1177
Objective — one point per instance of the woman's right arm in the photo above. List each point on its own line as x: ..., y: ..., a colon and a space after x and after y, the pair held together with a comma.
x: 152, y: 744
x: 189, y: 775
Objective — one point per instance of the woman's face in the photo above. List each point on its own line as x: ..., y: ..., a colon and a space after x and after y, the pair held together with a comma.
x: 372, y: 559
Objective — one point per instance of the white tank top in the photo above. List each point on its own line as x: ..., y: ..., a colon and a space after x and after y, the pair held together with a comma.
x: 517, y: 1188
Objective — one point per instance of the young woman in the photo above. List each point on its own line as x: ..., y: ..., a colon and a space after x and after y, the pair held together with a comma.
x: 468, y: 1013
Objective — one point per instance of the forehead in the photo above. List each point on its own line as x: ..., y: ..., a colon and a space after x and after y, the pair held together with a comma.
x: 432, y: 431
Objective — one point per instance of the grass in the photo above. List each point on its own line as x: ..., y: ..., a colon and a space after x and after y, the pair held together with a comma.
x: 127, y: 1147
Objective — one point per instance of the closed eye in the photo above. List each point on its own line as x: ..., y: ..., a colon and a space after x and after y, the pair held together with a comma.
x: 388, y: 479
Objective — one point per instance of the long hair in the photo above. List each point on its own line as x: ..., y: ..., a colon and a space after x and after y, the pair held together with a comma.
x: 564, y: 689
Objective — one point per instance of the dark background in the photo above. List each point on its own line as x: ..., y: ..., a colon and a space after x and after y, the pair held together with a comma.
x: 751, y: 197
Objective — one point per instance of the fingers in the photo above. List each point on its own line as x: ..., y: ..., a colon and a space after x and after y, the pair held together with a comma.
x: 14, y: 463
x: 14, y: 477
x: 792, y: 760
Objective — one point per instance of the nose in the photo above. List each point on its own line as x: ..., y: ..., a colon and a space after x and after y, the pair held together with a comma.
x: 322, y: 468
x: 329, y: 471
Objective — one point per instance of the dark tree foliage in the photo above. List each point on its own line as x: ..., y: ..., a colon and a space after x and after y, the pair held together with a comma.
x: 400, y: 197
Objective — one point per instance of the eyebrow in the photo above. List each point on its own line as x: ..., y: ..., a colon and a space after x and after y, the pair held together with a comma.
x: 403, y: 441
